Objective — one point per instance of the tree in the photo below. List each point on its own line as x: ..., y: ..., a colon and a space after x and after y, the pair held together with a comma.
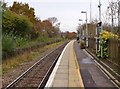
x: 47, y: 27
x: 70, y: 35
x: 18, y: 25
x: 23, y: 9
x: 52, y: 31
x: 3, y: 6
x: 53, y: 20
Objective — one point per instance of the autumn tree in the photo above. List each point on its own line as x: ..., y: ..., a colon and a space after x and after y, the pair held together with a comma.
x: 57, y: 29
x: 47, y: 27
x: 53, y: 20
x: 18, y: 25
x: 70, y: 35
x: 23, y: 9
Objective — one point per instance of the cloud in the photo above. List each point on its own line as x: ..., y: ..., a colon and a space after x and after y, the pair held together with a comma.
x: 51, y: 1
x: 67, y: 11
x: 61, y: 0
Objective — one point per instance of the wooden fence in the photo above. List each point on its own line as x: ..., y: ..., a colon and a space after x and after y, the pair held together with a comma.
x: 92, y: 45
x: 114, y: 51
x: 113, y: 45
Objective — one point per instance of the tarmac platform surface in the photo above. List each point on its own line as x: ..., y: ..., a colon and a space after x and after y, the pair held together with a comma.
x: 91, y: 74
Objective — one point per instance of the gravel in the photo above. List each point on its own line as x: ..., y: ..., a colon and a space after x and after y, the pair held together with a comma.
x: 13, y: 74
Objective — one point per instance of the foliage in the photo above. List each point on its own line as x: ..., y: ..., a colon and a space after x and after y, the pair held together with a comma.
x: 70, y: 35
x: 53, y: 20
x: 105, y: 38
x: 16, y: 61
x: 46, y: 27
x: 21, y: 29
x: 19, y: 25
x: 23, y: 9
x: 105, y: 35
x: 8, y: 43
x: 3, y: 6
x: 49, y: 29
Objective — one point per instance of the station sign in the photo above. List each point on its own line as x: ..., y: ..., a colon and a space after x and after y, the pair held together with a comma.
x: 99, y: 27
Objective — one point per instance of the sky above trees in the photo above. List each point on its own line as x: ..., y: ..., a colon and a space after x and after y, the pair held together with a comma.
x: 68, y: 12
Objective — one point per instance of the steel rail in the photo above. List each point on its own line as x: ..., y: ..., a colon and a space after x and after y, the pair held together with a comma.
x: 44, y: 80
x: 29, y: 69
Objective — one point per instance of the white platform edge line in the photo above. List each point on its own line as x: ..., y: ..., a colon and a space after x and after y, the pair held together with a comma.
x: 88, y: 54
x: 51, y: 78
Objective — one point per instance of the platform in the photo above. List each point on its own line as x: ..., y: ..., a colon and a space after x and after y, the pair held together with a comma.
x: 92, y: 75
x: 66, y: 72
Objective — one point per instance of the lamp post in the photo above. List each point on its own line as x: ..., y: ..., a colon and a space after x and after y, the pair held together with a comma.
x: 86, y: 29
x: 80, y: 30
x: 119, y: 26
x: 100, y: 29
x: 119, y: 18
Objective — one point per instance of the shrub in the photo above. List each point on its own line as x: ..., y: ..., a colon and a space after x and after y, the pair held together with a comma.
x: 8, y: 44
x: 18, y: 24
x: 82, y: 44
x: 105, y: 37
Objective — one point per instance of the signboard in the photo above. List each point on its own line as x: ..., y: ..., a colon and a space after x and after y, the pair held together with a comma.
x: 99, y: 27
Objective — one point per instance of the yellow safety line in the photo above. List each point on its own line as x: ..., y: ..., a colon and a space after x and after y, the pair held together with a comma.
x: 78, y: 68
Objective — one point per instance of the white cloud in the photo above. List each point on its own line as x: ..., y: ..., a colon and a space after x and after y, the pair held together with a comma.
x: 67, y: 11
x: 51, y: 1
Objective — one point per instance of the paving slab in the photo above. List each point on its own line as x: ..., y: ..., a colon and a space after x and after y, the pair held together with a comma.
x: 67, y: 73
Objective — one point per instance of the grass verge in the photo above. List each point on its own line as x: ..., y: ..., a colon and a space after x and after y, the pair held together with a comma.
x: 16, y: 61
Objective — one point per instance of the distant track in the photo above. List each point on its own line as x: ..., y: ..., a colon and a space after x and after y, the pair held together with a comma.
x: 37, y: 75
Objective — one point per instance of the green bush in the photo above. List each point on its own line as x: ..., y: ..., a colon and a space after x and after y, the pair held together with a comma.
x: 17, y: 24
x: 8, y: 44
x: 105, y: 37
x: 20, y: 41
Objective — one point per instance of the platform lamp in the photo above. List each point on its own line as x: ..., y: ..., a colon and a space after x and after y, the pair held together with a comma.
x: 86, y: 29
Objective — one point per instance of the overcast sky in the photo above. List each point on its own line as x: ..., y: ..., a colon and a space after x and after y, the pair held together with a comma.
x: 67, y: 11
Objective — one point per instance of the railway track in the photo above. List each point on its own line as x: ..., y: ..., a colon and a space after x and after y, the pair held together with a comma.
x: 37, y: 75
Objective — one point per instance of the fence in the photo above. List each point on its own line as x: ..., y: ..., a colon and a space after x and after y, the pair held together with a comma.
x: 113, y: 51
x: 92, y: 45
x: 113, y: 45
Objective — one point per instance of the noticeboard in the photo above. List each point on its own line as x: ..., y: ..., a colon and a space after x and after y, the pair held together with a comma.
x: 99, y: 29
